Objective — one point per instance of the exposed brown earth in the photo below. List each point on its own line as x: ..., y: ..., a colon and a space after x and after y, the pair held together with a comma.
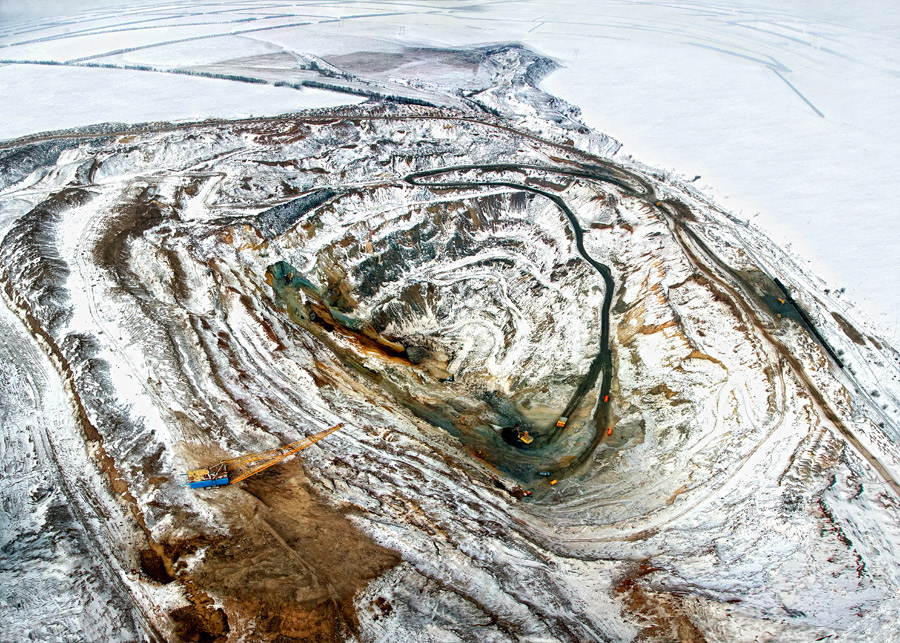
x: 660, y: 616
x: 288, y: 571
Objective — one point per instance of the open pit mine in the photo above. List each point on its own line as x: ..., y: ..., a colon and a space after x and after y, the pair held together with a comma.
x: 579, y: 401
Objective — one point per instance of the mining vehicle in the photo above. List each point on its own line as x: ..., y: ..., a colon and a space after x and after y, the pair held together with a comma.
x: 234, y: 470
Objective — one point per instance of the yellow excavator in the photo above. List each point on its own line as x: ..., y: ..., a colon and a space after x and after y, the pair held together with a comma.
x: 234, y: 470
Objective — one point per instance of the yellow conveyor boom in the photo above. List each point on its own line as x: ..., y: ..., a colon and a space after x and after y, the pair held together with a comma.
x: 236, y: 469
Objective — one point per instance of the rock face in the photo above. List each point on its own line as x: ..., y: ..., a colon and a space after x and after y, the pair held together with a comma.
x: 507, y: 473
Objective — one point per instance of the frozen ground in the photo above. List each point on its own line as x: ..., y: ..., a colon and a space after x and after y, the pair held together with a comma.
x: 140, y: 96
x: 731, y: 475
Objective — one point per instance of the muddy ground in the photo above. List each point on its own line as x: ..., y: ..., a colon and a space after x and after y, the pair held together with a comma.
x: 288, y: 571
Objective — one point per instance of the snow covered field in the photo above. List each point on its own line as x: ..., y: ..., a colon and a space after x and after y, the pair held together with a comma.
x: 136, y: 96
x: 430, y: 254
